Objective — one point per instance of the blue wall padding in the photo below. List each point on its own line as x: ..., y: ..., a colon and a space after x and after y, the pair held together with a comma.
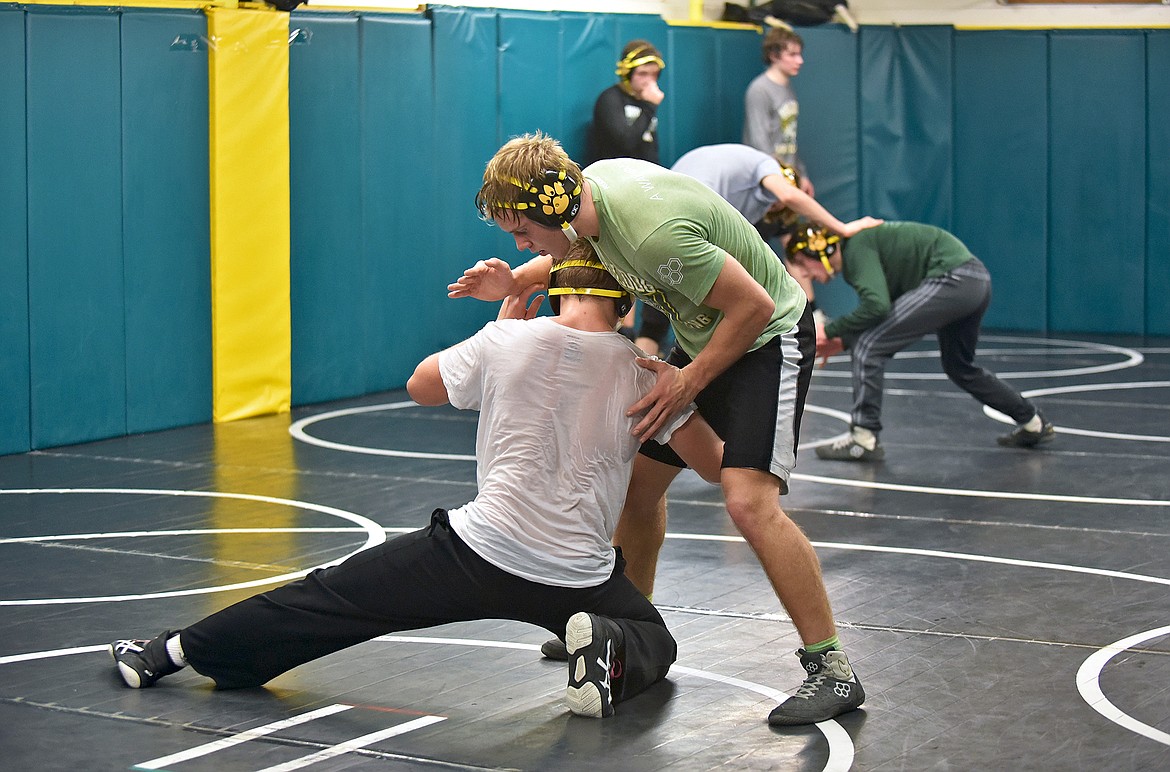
x: 165, y: 236
x: 1158, y: 183
x: 531, y: 62
x: 76, y: 308
x: 689, y: 117
x: 590, y: 42
x: 737, y: 61
x: 406, y: 270
x: 14, y: 362
x: 326, y: 272
x: 1001, y: 167
x: 830, y: 142
x: 1097, y: 243
x: 467, y: 134
x: 906, y: 128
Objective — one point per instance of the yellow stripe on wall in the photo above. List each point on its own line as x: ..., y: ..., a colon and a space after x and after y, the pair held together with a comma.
x: 250, y: 309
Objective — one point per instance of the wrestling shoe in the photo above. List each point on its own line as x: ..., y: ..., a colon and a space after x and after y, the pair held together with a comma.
x: 847, y: 448
x: 142, y: 662
x: 831, y: 689
x: 554, y: 648
x: 593, y: 644
x: 1022, y: 438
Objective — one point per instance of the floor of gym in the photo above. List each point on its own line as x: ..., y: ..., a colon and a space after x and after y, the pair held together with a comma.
x: 1005, y: 609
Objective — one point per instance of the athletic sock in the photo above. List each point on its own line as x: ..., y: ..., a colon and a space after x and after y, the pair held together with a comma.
x: 864, y: 437
x: 1035, y: 425
x: 825, y: 645
x: 175, y: 651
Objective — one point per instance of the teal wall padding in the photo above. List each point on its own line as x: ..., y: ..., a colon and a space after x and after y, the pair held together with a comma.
x: 76, y: 308
x: 531, y: 56
x: 1158, y: 182
x: 14, y: 361
x: 467, y: 135
x: 737, y: 61
x: 689, y: 119
x: 402, y: 224
x: 326, y: 270
x: 165, y: 230
x: 906, y: 128
x: 1097, y: 182
x: 1001, y: 167
x: 589, y: 41
x: 829, y: 134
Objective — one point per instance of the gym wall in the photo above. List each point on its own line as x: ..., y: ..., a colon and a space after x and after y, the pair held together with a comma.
x: 1058, y: 183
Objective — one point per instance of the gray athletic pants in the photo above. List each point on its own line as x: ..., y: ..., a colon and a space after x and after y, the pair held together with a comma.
x: 952, y: 306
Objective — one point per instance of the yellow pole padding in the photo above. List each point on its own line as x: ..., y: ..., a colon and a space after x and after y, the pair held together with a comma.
x: 250, y: 326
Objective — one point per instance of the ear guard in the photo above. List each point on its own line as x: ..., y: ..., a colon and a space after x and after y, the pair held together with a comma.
x: 635, y: 59
x: 785, y: 217
x: 553, y: 200
x: 816, y: 242
x: 625, y: 301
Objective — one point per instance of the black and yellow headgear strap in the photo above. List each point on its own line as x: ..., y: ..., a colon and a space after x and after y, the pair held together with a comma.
x: 632, y: 61
x: 816, y: 242
x: 553, y: 200
x: 555, y: 291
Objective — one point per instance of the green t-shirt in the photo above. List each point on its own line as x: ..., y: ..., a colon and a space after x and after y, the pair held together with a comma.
x: 665, y: 237
x: 881, y: 264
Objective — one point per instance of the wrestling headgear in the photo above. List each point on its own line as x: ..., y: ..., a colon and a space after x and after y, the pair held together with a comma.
x: 585, y: 282
x: 815, y: 242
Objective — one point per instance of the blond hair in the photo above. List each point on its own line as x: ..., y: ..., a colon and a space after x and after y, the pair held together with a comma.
x: 515, y: 167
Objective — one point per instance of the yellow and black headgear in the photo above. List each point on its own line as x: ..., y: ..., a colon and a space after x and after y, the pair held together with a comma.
x: 637, y: 53
x: 553, y: 200
x: 585, y: 258
x: 815, y: 242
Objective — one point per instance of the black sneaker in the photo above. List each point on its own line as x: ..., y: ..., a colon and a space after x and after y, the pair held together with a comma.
x: 554, y: 648
x: 594, y: 648
x: 831, y: 689
x: 1022, y: 438
x: 142, y: 662
x: 848, y: 449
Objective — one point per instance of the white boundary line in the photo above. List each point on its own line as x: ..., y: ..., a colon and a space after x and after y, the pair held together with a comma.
x: 355, y: 744
x: 227, y: 742
x: 1063, y: 429
x: 1089, y: 685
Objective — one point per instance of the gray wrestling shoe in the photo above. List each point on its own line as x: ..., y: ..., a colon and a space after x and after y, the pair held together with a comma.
x: 554, y: 648
x: 831, y: 689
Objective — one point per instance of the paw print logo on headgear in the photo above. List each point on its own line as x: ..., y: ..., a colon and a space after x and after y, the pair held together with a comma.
x: 554, y: 200
x: 671, y: 272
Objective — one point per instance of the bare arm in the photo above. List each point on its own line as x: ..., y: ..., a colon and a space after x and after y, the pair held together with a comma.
x: 747, y: 308
x: 804, y: 204
x: 426, y: 386
x: 493, y: 279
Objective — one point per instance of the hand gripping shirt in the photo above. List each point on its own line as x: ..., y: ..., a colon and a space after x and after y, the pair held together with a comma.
x: 665, y: 237
x: 553, y: 447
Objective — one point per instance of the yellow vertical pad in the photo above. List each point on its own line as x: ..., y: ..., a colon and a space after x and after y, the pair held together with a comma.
x: 250, y: 307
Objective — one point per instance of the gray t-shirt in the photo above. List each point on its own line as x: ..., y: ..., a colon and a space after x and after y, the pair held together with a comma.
x: 771, y: 113
x: 734, y: 172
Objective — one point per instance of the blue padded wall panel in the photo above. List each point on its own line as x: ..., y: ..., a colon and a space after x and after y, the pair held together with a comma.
x: 467, y: 133
x: 1098, y: 186
x: 737, y: 59
x: 906, y: 123
x: 327, y: 273
x: 1001, y: 167
x: 828, y: 130
x: 590, y: 47
x: 1158, y: 180
x: 166, y: 222
x: 406, y: 271
x: 830, y: 144
x: 533, y: 64
x: 686, y: 115
x: 76, y: 309
x: 14, y: 384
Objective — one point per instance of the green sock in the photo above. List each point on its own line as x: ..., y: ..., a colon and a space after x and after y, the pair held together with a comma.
x: 825, y: 645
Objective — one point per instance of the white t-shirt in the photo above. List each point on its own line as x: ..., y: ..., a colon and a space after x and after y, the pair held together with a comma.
x: 553, y: 448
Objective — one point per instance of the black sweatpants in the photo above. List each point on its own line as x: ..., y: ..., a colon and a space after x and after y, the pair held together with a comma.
x: 417, y: 580
x: 951, y: 306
